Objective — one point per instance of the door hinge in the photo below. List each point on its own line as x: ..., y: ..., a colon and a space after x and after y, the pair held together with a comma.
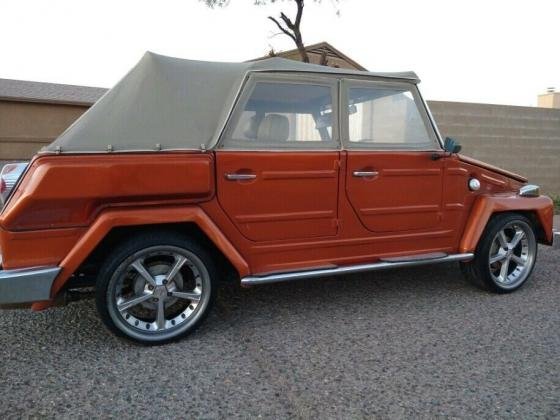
x: 337, y: 164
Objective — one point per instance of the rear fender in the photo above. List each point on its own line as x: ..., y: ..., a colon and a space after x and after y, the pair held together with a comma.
x: 486, y: 206
x: 110, y: 219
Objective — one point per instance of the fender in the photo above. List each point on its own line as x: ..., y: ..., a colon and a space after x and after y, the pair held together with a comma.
x: 112, y: 218
x: 486, y: 205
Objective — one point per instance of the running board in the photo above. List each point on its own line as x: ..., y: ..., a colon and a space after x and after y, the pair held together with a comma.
x: 336, y: 271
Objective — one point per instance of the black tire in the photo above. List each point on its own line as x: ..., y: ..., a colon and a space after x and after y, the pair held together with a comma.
x: 157, y: 290
x: 505, y: 275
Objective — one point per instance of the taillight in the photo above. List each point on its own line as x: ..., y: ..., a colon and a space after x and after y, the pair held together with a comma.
x: 9, y: 177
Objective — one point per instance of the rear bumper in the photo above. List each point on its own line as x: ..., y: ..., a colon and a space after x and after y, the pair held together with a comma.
x: 26, y: 284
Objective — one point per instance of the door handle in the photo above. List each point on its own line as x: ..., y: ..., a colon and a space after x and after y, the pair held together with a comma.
x: 365, y: 174
x: 240, y: 177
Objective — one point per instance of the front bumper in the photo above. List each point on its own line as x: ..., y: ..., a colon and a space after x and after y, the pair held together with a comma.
x: 25, y: 285
x: 555, y: 239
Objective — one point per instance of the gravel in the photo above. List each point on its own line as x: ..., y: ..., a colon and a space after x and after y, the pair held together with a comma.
x: 409, y: 343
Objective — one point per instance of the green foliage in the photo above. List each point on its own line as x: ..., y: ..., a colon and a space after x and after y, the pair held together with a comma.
x: 556, y: 201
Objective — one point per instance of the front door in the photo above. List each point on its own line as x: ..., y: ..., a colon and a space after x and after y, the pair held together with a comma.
x: 278, y: 161
x: 393, y: 182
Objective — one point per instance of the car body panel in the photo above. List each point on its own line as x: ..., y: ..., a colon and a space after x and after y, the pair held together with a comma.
x: 79, y: 187
x: 112, y: 218
x: 404, y: 194
x: 462, y: 214
x: 485, y: 206
x: 276, y: 204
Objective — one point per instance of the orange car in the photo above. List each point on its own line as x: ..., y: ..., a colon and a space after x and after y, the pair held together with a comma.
x: 187, y: 173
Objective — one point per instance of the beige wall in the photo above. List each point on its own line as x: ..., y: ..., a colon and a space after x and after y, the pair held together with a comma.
x: 522, y: 139
x: 25, y: 127
x: 525, y: 140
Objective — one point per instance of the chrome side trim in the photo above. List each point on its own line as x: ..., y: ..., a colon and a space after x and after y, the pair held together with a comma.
x: 529, y: 190
x: 300, y: 275
x: 27, y: 284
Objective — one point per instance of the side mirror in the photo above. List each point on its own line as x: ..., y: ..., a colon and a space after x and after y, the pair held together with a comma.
x: 451, y: 145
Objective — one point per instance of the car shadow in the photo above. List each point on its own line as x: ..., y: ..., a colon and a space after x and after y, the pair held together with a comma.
x: 274, y: 304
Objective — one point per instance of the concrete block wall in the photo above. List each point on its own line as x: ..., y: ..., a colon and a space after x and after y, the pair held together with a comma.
x: 521, y: 139
x: 525, y: 140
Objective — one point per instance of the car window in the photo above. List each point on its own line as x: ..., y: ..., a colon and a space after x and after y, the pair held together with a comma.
x: 386, y: 117
x: 283, y: 115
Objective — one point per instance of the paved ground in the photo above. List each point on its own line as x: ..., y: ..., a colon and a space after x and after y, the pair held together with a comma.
x: 412, y: 343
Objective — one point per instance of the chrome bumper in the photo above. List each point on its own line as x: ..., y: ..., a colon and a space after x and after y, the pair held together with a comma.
x: 26, y: 284
x: 555, y: 239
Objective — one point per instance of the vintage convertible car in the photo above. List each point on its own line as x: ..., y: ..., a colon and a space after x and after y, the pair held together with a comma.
x: 187, y: 173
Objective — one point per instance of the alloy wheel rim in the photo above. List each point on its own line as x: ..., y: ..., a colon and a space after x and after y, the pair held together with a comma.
x: 511, y: 255
x: 159, y: 291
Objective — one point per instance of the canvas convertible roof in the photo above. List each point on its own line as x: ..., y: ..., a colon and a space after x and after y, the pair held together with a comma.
x: 167, y: 103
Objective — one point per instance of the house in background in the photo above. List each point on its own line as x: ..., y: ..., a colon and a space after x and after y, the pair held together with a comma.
x: 33, y: 114
x: 550, y: 99
x: 322, y: 53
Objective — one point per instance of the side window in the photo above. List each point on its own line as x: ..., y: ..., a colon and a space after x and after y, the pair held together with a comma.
x: 386, y: 117
x: 283, y: 115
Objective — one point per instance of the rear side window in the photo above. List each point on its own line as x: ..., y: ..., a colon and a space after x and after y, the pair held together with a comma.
x: 283, y: 115
x: 386, y: 117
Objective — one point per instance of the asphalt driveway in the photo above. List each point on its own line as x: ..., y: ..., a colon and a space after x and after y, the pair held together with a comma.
x: 409, y: 343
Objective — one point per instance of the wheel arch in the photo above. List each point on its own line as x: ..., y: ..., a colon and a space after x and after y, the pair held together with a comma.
x: 113, y: 225
x: 539, y: 210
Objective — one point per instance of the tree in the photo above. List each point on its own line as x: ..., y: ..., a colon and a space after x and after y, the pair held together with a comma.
x: 289, y: 27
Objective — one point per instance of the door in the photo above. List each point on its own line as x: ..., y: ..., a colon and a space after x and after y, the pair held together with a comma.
x: 278, y: 160
x: 393, y: 182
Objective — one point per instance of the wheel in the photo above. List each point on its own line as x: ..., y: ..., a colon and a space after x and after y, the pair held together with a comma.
x: 505, y: 255
x: 156, y: 288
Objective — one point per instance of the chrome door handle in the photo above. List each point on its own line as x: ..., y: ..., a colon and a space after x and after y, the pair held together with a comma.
x: 365, y: 174
x: 240, y: 177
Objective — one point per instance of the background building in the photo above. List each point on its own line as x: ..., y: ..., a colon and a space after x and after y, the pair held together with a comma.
x: 550, y: 99
x: 520, y: 139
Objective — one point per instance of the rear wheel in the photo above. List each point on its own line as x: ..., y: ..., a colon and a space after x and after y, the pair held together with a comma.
x: 156, y: 288
x: 505, y: 255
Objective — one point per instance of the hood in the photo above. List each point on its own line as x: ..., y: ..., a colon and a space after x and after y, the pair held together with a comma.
x: 492, y: 168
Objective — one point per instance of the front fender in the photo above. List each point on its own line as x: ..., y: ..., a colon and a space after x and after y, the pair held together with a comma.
x: 113, y: 218
x: 487, y: 205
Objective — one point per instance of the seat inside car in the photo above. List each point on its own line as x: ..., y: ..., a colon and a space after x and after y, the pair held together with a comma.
x: 274, y: 128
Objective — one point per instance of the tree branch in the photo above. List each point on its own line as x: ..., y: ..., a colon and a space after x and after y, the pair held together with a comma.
x: 299, y: 12
x: 287, y: 21
x: 284, y: 30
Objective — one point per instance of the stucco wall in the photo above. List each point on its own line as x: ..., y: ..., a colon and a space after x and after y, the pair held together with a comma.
x: 525, y: 140
x: 25, y: 127
x: 522, y: 139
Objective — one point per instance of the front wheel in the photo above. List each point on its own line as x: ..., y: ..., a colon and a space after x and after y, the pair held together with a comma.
x: 157, y: 287
x: 505, y: 255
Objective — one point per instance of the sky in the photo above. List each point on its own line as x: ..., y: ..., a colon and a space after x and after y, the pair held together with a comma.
x: 490, y: 51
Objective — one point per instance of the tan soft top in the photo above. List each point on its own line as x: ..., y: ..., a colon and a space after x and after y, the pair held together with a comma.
x: 167, y: 103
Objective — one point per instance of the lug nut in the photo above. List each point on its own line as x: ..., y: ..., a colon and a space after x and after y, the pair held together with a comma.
x: 169, y: 294
x: 156, y: 299
x: 164, y: 282
x: 150, y: 287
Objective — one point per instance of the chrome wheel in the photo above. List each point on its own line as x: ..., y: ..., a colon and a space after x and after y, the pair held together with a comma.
x: 158, y: 292
x: 512, y: 254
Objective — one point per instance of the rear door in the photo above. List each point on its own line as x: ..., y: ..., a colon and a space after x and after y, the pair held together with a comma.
x: 392, y: 182
x: 278, y: 160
